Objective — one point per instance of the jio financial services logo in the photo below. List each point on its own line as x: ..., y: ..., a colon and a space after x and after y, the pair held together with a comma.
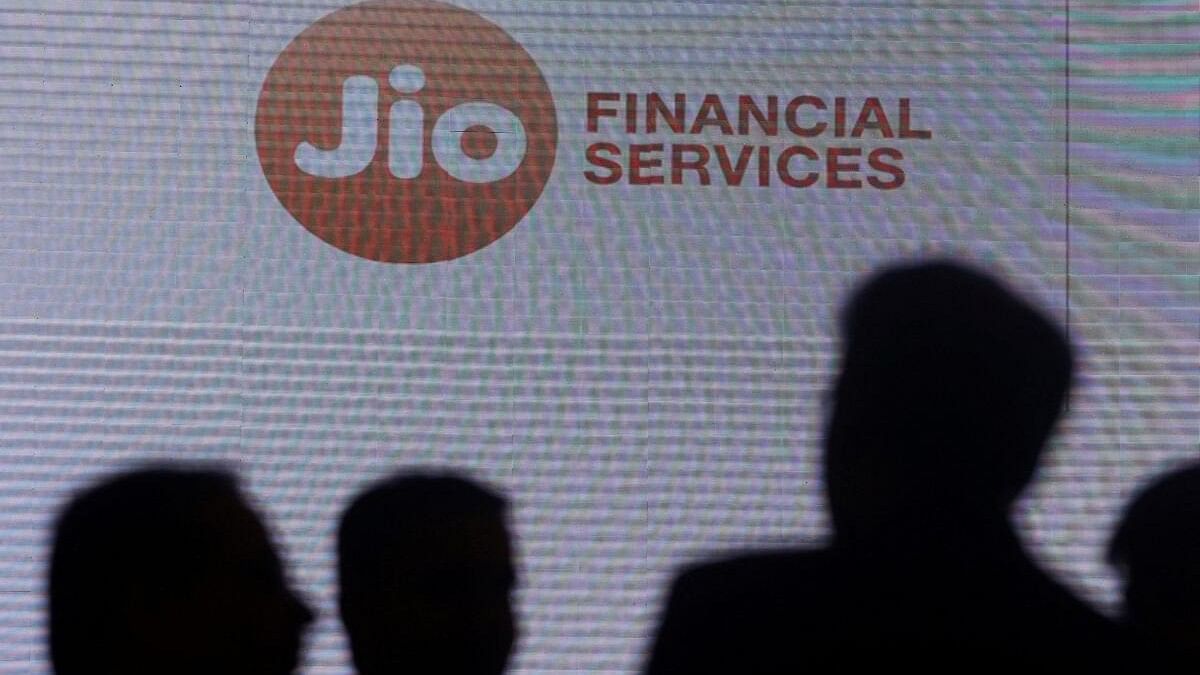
x: 406, y: 131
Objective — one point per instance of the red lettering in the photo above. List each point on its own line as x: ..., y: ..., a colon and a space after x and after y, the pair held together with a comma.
x: 638, y: 162
x: 872, y: 108
x: 874, y: 159
x: 631, y: 113
x: 655, y: 107
x: 793, y: 124
x: 613, y: 167
x: 906, y: 130
x: 712, y: 112
x: 839, y: 117
x: 764, y: 165
x: 768, y: 122
x: 784, y: 166
x: 595, y: 112
x: 734, y: 173
x: 833, y: 167
x: 699, y: 164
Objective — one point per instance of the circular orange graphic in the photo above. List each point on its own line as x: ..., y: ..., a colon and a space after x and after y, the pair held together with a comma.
x: 406, y: 131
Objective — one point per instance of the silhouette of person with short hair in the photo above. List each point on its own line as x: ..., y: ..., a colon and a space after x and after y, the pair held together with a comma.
x: 948, y: 390
x: 1157, y: 549
x: 168, y: 570
x: 426, y: 573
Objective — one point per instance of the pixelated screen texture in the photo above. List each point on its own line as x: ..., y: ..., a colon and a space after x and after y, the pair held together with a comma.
x: 640, y: 368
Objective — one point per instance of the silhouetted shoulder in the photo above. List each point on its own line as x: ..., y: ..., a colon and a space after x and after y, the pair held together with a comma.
x: 720, y: 615
x: 949, y: 387
x: 1157, y: 550
x: 819, y: 611
x: 750, y: 577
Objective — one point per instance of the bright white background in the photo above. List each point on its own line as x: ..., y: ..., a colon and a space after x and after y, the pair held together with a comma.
x: 639, y: 368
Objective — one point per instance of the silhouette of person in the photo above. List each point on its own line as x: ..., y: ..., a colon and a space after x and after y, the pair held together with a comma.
x: 1157, y: 549
x: 168, y: 570
x: 948, y: 390
x: 425, y: 572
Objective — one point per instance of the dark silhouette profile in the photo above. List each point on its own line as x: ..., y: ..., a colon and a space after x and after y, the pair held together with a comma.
x: 1157, y: 550
x: 426, y: 573
x: 948, y: 390
x: 168, y: 570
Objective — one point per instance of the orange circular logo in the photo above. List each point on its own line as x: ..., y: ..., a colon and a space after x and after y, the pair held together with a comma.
x: 406, y: 131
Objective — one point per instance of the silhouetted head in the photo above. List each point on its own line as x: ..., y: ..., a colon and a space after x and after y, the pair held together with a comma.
x: 949, y: 387
x: 1157, y: 549
x: 169, y: 571
x: 426, y: 573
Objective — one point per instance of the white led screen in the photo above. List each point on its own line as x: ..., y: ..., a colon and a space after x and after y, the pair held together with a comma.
x: 632, y: 333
